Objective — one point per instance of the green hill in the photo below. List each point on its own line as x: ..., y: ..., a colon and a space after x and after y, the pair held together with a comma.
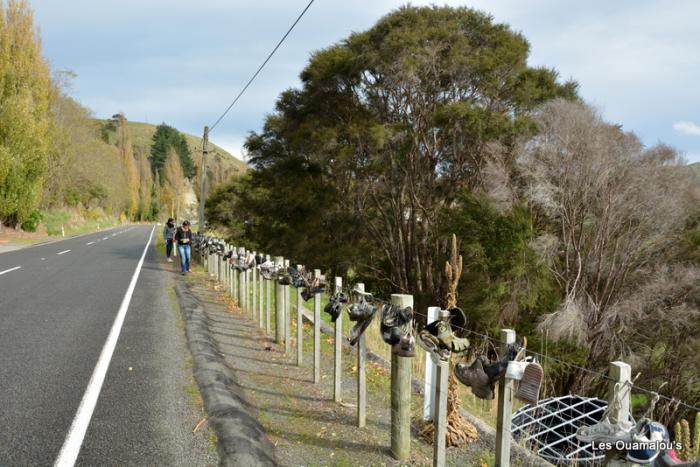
x: 142, y: 136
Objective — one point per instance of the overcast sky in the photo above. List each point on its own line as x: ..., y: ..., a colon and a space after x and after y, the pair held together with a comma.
x: 182, y: 62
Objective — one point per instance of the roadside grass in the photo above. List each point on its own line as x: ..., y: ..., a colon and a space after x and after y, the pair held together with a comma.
x: 54, y: 220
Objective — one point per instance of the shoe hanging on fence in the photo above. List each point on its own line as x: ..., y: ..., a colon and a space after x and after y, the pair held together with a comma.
x: 334, y: 307
x: 318, y: 285
x: 474, y: 376
x: 438, y: 337
x: 267, y: 270
x: 396, y: 328
x: 530, y: 384
x: 297, y: 278
x: 605, y: 431
x: 361, y: 312
x: 283, y: 279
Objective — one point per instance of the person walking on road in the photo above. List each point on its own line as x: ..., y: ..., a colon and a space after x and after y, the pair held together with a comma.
x: 183, y: 237
x: 169, y: 236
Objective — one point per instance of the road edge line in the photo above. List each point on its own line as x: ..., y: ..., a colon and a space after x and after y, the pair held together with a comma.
x: 74, y: 440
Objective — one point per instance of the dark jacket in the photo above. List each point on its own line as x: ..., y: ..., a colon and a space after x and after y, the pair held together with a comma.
x: 181, y: 234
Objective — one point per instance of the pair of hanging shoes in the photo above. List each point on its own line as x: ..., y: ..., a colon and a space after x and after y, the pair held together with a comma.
x: 474, y: 376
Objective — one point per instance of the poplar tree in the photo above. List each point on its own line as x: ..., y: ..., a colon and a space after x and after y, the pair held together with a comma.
x: 25, y: 119
x: 126, y: 152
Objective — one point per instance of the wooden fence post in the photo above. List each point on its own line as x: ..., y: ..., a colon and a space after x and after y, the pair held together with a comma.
x: 231, y: 284
x: 300, y: 324
x: 279, y: 306
x: 248, y: 286
x: 241, y: 291
x: 254, y: 273
x: 430, y: 374
x: 287, y: 315
x: 260, y: 299
x: 401, y: 395
x: 268, y: 301
x: 338, y: 368
x: 317, y: 333
x: 361, y: 375
x: 224, y: 262
x: 505, y: 407
x: 440, y: 415
x: 236, y: 288
x: 619, y: 395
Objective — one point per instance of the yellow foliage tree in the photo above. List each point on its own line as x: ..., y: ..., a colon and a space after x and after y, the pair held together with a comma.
x: 173, y: 184
x: 126, y: 152
x: 25, y: 118
x: 145, y: 186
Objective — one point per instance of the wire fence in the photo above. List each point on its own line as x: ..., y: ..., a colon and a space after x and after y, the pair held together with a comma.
x: 555, y: 413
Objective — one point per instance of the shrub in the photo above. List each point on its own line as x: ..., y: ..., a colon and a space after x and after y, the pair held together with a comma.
x: 32, y: 222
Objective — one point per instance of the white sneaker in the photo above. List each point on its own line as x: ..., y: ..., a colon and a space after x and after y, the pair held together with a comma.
x: 170, y: 260
x: 605, y: 432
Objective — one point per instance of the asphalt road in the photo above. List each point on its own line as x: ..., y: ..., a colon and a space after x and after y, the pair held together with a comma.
x: 58, y: 302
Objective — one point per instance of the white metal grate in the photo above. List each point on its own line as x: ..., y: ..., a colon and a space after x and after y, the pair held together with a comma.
x: 549, y: 429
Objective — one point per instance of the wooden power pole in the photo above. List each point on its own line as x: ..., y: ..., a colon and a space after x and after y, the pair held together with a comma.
x: 203, y: 169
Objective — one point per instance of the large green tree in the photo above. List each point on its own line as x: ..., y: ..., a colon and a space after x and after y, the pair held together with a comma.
x: 165, y: 139
x: 390, y: 125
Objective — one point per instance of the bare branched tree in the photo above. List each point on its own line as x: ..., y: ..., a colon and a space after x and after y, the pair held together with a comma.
x: 616, y: 209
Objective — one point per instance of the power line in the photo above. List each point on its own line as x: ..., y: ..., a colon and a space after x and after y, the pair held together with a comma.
x: 211, y: 128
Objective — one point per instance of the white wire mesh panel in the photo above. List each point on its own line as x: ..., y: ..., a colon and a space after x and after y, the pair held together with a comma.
x: 549, y: 429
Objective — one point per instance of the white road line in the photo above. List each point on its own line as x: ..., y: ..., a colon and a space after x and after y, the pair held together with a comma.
x: 105, y: 238
x: 76, y: 434
x: 10, y: 270
x: 63, y: 252
x: 90, y: 243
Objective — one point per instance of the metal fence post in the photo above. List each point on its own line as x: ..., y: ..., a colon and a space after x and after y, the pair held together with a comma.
x: 505, y: 406
x: 401, y: 395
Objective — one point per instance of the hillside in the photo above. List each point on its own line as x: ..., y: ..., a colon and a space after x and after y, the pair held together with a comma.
x: 179, y: 191
x: 142, y: 136
x: 696, y: 170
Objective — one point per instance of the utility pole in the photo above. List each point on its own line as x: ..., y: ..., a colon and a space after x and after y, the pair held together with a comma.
x: 203, y: 169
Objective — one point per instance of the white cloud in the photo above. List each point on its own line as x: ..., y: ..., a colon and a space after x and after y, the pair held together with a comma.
x: 687, y: 128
